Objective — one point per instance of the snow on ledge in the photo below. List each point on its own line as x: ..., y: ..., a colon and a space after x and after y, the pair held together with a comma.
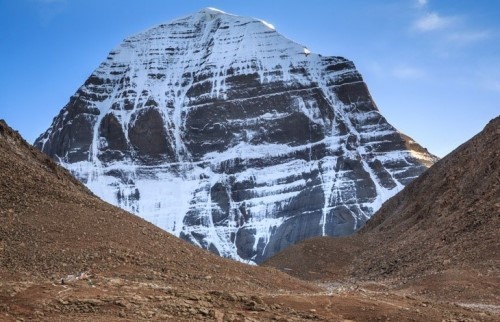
x: 215, y: 10
x: 267, y: 24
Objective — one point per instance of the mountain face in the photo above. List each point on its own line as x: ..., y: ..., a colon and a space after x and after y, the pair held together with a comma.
x: 220, y: 130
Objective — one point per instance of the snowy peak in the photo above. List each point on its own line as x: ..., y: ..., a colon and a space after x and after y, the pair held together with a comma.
x: 208, y: 14
x: 230, y: 37
x: 222, y: 131
x: 214, y: 11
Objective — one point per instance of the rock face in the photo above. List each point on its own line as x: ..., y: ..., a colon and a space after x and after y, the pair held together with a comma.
x: 220, y: 130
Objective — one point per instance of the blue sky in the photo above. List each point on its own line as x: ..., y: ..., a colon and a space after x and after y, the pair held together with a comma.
x: 432, y: 66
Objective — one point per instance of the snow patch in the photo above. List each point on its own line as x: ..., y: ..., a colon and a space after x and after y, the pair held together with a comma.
x: 267, y: 24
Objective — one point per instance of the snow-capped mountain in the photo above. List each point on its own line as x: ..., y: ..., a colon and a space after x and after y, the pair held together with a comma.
x: 217, y: 128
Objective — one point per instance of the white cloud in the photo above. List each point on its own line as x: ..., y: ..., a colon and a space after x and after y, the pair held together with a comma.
x: 422, y: 3
x: 433, y: 21
x: 408, y: 72
x: 468, y: 37
x: 450, y: 30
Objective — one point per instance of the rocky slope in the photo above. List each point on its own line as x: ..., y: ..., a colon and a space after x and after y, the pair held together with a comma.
x: 220, y: 130
x: 448, y: 217
x: 439, y: 236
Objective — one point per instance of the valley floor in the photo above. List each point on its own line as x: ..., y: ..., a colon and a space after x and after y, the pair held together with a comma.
x: 129, y: 296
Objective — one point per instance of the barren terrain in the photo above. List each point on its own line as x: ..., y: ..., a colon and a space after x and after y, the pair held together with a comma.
x: 66, y: 255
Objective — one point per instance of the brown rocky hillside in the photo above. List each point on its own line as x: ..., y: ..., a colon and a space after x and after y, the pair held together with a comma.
x: 440, y: 235
x: 449, y: 217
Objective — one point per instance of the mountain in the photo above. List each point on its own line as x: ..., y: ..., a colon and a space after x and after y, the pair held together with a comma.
x: 225, y: 133
x: 442, y: 229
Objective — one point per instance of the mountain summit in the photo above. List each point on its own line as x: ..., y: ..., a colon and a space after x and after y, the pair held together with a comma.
x: 217, y: 128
